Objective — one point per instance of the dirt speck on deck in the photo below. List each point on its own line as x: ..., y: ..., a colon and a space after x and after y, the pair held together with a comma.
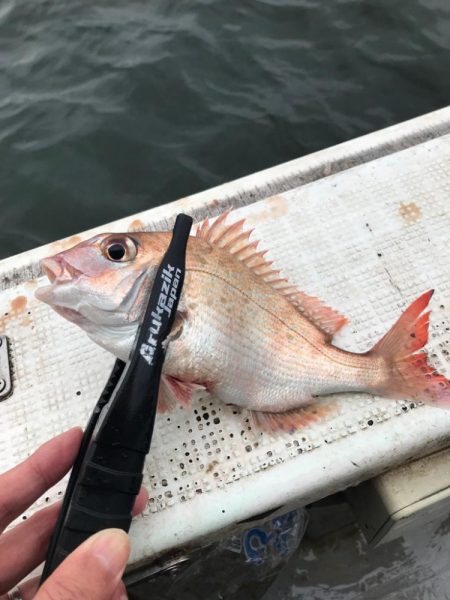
x: 410, y: 213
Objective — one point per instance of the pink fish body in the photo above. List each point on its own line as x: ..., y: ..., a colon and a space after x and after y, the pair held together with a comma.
x: 241, y: 332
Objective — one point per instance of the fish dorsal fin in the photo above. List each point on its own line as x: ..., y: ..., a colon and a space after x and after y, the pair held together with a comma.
x: 326, y: 318
x: 236, y: 240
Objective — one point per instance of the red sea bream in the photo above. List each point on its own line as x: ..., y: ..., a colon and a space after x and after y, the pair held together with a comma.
x: 242, y: 332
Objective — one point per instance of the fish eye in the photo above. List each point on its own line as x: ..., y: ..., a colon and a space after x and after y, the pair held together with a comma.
x: 119, y: 248
x: 116, y: 251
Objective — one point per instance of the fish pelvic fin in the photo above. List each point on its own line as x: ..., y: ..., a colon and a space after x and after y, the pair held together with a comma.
x: 292, y: 420
x: 174, y: 392
x: 236, y: 241
x: 410, y: 374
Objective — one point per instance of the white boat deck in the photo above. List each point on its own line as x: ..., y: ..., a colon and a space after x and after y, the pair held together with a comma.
x: 365, y: 226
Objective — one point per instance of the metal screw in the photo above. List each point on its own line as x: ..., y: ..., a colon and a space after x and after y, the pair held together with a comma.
x: 2, y: 385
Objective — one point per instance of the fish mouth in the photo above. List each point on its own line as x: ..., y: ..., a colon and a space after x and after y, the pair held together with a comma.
x: 70, y: 314
x: 51, y: 275
x: 46, y: 294
x: 59, y: 270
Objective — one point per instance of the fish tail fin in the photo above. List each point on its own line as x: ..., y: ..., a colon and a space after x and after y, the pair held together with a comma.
x: 410, y: 375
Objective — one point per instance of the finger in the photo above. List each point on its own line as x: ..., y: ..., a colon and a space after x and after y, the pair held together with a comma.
x: 29, y: 588
x: 24, y: 547
x: 120, y: 593
x: 93, y: 571
x: 140, y: 502
x: 23, y: 484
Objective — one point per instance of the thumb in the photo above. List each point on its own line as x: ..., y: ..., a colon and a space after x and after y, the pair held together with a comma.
x: 93, y: 571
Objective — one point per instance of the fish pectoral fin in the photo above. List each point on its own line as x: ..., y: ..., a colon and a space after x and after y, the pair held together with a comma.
x: 174, y: 392
x: 177, y: 327
x: 293, y: 419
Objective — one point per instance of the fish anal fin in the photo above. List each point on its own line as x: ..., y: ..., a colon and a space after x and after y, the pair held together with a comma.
x: 292, y: 420
x: 235, y: 240
x: 174, y: 392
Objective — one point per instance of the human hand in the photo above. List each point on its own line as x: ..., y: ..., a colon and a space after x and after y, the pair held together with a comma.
x: 93, y: 571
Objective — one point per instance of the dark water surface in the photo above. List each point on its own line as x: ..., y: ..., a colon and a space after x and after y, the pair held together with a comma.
x: 108, y: 107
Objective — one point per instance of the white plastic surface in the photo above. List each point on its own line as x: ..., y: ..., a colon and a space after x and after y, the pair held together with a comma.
x: 404, y: 499
x: 367, y: 240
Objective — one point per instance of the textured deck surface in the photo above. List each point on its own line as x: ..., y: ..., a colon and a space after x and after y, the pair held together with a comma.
x: 367, y: 240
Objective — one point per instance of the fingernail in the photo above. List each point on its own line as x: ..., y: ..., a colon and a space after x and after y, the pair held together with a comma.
x: 76, y: 428
x: 112, y: 547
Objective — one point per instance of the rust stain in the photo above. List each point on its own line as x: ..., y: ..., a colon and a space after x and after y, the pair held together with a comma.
x: 136, y: 224
x: 55, y: 247
x: 72, y: 241
x: 211, y: 466
x: 273, y: 208
x: 31, y: 284
x: 278, y: 206
x: 410, y: 213
x: 18, y: 304
x: 65, y: 244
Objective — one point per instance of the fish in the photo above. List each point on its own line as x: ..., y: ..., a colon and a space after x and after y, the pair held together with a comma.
x: 242, y: 331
